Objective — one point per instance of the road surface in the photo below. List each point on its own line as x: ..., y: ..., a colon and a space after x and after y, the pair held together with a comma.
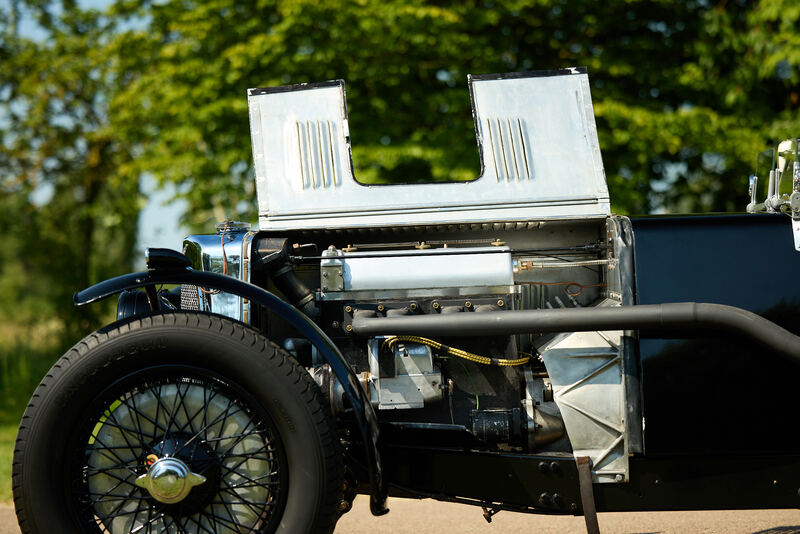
x: 430, y: 517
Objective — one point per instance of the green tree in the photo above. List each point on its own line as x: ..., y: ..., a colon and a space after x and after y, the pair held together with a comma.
x: 685, y: 92
x: 73, y: 214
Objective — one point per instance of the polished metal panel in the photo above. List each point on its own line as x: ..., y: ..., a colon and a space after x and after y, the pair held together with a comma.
x: 206, y: 254
x: 586, y: 370
x: 417, y: 269
x: 416, y: 380
x: 540, y: 158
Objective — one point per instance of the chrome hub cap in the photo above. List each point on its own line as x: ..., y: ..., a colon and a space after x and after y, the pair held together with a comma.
x: 169, y: 480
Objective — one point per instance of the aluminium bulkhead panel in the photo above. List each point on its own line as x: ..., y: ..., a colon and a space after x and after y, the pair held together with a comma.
x: 588, y: 376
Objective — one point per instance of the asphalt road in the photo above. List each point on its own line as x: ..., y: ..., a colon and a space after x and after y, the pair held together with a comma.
x: 430, y: 517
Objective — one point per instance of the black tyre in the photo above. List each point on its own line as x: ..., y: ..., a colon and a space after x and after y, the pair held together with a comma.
x: 177, y: 423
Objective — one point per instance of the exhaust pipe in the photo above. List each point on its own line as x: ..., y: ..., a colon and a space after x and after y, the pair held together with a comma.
x: 671, y: 316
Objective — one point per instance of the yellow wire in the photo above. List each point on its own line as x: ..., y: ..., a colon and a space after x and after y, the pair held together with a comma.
x: 477, y: 358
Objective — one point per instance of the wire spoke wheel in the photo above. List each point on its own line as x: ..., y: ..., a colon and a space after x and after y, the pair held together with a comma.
x: 177, y: 423
x: 197, y: 420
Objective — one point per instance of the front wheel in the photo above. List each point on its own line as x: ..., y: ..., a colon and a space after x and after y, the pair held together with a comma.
x: 177, y: 423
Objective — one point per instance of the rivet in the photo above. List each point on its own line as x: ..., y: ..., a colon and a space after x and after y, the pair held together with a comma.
x: 544, y: 467
x: 501, y: 303
x: 335, y: 324
x: 381, y: 307
x: 468, y: 304
x: 619, y: 478
x: 349, y: 328
x: 348, y: 309
x: 324, y: 274
x: 435, y: 305
x: 413, y: 306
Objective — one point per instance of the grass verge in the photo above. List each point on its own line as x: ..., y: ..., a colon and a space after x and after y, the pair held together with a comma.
x: 26, y: 353
x: 8, y: 434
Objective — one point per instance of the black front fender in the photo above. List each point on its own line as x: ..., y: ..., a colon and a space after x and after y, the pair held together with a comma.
x: 364, y: 413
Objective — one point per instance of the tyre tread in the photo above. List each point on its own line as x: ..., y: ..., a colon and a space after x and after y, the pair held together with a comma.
x: 280, y: 360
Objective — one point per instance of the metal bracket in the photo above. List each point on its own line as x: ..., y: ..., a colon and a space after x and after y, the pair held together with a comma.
x: 587, y: 494
x: 488, y: 513
x: 331, y: 271
x: 794, y: 204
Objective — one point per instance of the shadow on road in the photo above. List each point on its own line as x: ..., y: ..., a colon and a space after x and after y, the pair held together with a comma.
x: 780, y: 530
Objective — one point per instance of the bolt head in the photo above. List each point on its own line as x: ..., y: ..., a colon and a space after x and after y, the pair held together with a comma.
x: 544, y: 467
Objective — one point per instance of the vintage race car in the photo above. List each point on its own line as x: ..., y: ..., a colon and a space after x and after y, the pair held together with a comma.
x: 505, y: 342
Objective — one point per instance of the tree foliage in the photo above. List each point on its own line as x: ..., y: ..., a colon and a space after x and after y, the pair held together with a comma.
x: 72, y: 213
x: 685, y: 94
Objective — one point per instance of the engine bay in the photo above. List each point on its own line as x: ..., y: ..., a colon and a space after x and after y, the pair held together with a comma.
x: 522, y: 392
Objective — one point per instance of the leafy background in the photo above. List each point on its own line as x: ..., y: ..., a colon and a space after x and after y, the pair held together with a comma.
x: 95, y: 100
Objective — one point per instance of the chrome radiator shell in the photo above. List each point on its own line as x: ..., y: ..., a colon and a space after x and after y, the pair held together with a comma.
x: 228, y: 252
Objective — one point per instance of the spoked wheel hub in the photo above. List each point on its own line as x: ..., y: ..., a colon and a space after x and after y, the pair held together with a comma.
x: 169, y: 480
x: 181, y: 471
x: 179, y: 451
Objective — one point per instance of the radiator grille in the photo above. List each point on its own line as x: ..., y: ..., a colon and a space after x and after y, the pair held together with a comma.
x: 190, y: 298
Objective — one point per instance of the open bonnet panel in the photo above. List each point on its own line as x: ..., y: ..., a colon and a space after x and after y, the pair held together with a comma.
x: 540, y: 158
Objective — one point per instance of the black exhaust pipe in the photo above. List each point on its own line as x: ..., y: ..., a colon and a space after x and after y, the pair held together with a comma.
x: 672, y: 316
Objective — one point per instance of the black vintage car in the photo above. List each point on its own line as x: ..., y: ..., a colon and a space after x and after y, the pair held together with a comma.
x: 505, y: 342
